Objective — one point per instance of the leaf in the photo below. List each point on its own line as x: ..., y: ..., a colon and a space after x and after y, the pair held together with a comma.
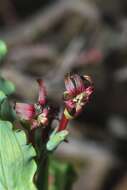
x: 2, y: 97
x: 6, y: 111
x: 17, y: 166
x: 61, y: 175
x: 6, y: 86
x: 3, y: 49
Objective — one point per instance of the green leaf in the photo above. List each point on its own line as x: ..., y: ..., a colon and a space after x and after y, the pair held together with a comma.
x: 17, y: 166
x: 6, y: 86
x: 2, y: 97
x: 3, y: 49
x: 62, y: 175
x: 6, y: 111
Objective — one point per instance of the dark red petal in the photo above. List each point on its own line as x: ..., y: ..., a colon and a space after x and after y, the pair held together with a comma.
x: 45, y: 111
x: 89, y: 90
x: 42, y: 92
x: 79, y: 83
x: 34, y: 124
x: 25, y: 111
x: 69, y: 104
x: 69, y: 85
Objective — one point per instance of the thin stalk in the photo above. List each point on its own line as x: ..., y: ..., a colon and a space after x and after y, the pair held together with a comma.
x: 63, y: 123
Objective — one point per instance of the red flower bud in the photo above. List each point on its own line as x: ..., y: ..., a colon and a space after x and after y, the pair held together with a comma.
x: 77, y: 94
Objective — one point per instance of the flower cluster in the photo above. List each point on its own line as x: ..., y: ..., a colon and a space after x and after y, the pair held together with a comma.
x: 37, y: 114
x: 77, y: 94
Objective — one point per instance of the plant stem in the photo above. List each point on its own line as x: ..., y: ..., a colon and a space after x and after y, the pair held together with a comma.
x: 42, y: 180
x: 63, y: 123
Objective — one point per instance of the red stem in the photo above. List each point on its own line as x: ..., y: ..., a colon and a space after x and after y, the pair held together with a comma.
x: 63, y: 123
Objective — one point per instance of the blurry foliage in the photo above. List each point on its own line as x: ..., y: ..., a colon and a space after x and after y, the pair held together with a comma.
x: 3, y: 49
x: 61, y: 175
x: 6, y: 86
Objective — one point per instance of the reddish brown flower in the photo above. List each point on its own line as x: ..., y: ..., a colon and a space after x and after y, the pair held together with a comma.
x: 77, y: 94
x: 37, y: 114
